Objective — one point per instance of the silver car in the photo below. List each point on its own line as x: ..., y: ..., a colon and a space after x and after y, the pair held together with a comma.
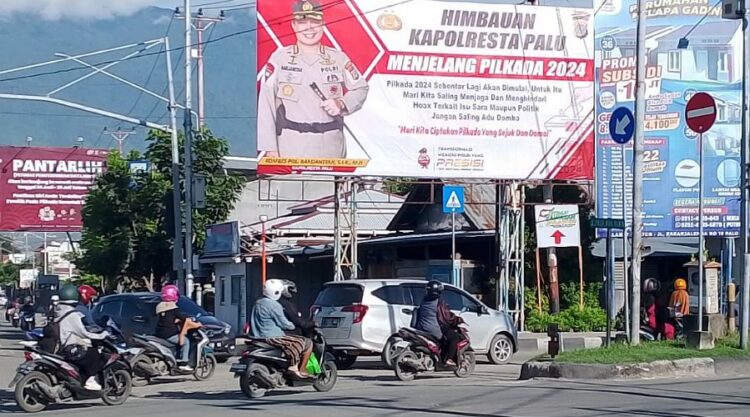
x: 363, y: 317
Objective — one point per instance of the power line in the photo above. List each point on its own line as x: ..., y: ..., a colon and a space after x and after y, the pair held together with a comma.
x: 232, y: 7
x: 206, y: 42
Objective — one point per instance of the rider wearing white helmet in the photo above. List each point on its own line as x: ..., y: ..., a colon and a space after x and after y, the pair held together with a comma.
x: 268, y: 322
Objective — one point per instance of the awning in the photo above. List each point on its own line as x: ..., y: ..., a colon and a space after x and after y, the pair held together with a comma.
x: 427, y: 237
x: 653, y: 247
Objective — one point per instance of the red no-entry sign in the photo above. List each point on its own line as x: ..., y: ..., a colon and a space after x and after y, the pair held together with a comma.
x: 700, y: 113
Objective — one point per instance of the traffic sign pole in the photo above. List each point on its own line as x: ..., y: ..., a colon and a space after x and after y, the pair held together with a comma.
x: 625, y: 280
x: 454, y: 273
x: 700, y: 235
x: 610, y: 278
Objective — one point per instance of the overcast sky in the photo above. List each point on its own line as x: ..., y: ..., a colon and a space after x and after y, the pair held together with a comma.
x: 106, y: 9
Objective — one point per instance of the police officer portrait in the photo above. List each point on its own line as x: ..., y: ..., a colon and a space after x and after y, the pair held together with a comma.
x: 306, y: 91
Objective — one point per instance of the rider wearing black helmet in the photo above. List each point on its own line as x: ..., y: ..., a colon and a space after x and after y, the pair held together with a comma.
x: 302, y: 326
x: 434, y: 317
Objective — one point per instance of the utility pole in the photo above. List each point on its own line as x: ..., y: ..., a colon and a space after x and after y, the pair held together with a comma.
x: 120, y: 135
x: 200, y: 23
x: 554, y: 285
x: 188, y: 126
x: 640, y: 117
x: 177, y: 255
x: 745, y: 156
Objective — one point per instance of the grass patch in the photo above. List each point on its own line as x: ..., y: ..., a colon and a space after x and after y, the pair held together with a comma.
x: 619, y: 353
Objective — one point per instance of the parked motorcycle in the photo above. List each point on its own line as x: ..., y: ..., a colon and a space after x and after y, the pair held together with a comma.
x: 158, y: 358
x: 45, y: 378
x: 264, y: 367
x: 423, y: 354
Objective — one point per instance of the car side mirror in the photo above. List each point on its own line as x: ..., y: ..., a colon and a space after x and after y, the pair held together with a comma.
x: 483, y: 311
x: 138, y: 319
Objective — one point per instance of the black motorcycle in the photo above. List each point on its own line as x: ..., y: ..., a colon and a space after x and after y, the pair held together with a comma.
x: 264, y: 367
x: 422, y: 353
x: 45, y: 378
x: 27, y: 321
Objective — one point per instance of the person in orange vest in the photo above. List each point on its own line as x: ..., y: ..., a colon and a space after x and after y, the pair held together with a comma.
x: 680, y: 301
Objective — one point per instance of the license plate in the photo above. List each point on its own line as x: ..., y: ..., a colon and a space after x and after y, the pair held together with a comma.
x: 330, y: 322
x: 238, y: 368
x: 217, y: 345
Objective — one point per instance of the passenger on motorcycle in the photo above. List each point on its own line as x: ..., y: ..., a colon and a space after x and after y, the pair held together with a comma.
x: 75, y: 340
x: 87, y: 295
x: 434, y: 317
x: 303, y: 327
x: 268, y: 322
x: 680, y: 300
x: 173, y: 324
x: 28, y: 307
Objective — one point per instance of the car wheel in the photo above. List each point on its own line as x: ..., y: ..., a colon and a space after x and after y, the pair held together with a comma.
x: 345, y: 361
x: 501, y: 350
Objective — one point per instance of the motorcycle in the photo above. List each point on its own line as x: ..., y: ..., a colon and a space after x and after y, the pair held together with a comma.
x: 27, y: 321
x: 423, y: 354
x: 13, y: 315
x: 45, y: 378
x: 264, y: 367
x: 158, y: 358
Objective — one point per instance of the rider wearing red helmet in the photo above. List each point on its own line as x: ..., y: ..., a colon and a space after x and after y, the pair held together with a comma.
x: 87, y: 295
x: 173, y: 324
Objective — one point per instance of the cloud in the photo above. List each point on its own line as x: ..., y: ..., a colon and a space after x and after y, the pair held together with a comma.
x: 79, y: 9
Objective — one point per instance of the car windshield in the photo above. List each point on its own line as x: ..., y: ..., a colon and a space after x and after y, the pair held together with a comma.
x: 185, y: 304
x: 339, y: 296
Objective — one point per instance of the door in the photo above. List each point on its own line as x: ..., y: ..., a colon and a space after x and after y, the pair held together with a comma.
x: 398, y: 308
x: 480, y: 326
x: 136, y: 319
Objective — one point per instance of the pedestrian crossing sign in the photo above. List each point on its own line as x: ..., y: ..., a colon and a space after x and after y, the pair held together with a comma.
x: 453, y: 199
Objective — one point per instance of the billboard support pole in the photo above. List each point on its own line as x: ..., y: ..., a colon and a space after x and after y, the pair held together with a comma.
x: 637, y: 223
x: 554, y: 289
x: 745, y: 298
x: 188, y: 126
x: 625, y: 280
x: 177, y: 264
x: 608, y: 285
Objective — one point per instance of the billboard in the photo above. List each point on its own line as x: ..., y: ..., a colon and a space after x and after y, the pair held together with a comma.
x: 711, y: 63
x: 222, y: 239
x: 425, y: 88
x: 44, y: 188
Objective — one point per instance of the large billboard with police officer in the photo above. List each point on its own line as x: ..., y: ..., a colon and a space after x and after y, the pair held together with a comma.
x: 425, y: 88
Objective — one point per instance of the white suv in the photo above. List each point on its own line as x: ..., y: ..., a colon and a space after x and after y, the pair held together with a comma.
x: 363, y: 316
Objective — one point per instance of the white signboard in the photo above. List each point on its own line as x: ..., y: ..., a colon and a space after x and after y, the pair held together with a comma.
x: 425, y: 88
x: 27, y: 277
x: 557, y: 226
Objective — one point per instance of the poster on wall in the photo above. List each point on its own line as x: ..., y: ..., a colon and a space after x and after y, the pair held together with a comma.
x: 425, y: 88
x: 44, y: 188
x: 711, y: 63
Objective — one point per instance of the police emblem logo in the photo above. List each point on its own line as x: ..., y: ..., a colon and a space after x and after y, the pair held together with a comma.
x: 333, y: 78
x: 423, y: 159
x: 352, y: 70
x: 581, y: 24
x: 389, y: 21
x: 307, y: 6
x: 287, y: 90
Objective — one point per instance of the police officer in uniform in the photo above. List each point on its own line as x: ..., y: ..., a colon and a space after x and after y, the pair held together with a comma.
x: 306, y: 90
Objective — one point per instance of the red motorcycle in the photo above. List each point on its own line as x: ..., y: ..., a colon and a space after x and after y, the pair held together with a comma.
x: 423, y: 354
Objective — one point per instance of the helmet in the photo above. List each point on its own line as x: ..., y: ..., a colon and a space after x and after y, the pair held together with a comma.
x: 170, y: 293
x: 290, y: 289
x: 87, y: 293
x: 273, y: 289
x: 434, y: 287
x: 680, y: 284
x: 69, y: 294
x: 651, y: 285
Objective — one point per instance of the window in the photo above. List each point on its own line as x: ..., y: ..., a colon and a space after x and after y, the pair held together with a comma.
x: 111, y: 309
x: 457, y: 301
x: 722, y: 112
x: 223, y: 295
x: 131, y: 310
x: 339, y: 296
x: 674, y: 61
x: 236, y: 281
x: 393, y: 294
x: 417, y: 293
x: 723, y: 64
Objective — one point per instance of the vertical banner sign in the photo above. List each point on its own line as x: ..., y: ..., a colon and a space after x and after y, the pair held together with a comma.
x: 711, y: 63
x: 44, y: 189
x: 425, y: 88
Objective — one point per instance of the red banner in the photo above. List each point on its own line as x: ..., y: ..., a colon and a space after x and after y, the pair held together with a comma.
x: 44, y: 188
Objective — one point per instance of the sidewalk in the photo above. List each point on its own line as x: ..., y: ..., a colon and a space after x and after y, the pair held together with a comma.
x: 537, y: 342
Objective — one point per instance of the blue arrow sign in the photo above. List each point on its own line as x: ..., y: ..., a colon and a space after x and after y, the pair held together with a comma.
x: 622, y: 125
x: 453, y: 199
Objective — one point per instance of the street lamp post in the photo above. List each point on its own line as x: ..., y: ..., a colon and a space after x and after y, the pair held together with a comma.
x: 263, y: 219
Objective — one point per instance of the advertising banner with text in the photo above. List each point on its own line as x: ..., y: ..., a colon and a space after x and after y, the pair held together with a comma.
x: 711, y: 63
x: 44, y: 189
x: 425, y: 88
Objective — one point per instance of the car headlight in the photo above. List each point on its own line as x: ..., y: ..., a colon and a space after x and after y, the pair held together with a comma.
x: 227, y: 330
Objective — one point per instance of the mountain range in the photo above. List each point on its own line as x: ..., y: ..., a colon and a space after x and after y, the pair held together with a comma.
x: 229, y: 60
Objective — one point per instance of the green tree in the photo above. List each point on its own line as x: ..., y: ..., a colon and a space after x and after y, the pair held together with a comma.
x: 127, y: 220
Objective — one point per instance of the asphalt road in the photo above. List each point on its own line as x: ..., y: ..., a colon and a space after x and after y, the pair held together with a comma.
x: 369, y: 390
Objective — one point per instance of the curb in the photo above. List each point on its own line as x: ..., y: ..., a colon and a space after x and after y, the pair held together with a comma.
x: 539, y: 344
x: 693, y: 367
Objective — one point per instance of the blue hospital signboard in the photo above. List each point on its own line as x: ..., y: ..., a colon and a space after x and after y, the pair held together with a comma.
x: 712, y: 63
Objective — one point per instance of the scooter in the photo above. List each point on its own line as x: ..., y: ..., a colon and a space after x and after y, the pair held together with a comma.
x: 264, y: 367
x: 45, y: 378
x: 423, y: 354
x: 158, y: 358
x: 27, y: 321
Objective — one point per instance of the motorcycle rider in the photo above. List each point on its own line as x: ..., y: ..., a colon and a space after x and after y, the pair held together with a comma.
x: 268, y: 322
x: 87, y: 295
x: 75, y: 340
x: 680, y: 300
x: 28, y: 307
x: 173, y: 324
x: 434, y: 317
x: 303, y: 326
